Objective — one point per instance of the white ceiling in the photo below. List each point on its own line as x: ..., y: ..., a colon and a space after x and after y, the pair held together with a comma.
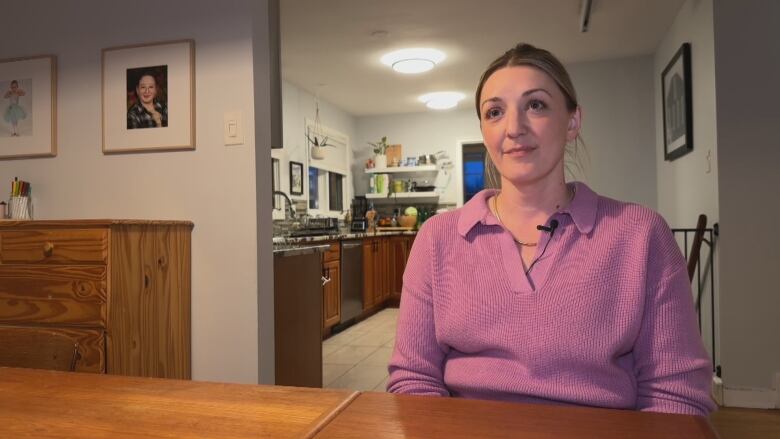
x: 329, y: 47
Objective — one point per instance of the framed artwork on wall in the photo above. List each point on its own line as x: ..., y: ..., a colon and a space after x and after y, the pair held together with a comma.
x: 677, y: 105
x: 28, y: 100
x: 149, y: 97
x: 296, y: 178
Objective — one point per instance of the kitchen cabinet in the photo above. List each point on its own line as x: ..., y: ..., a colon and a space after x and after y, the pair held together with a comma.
x: 331, y: 289
x: 298, y: 315
x: 401, y: 247
x: 376, y: 271
x: 118, y: 288
x: 369, y: 281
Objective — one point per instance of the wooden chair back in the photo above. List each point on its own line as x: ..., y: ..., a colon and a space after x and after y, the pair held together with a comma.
x: 698, y: 236
x: 37, y: 348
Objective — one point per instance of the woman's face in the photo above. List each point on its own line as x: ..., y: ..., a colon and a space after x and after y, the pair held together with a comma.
x: 14, y: 85
x: 147, y: 89
x: 525, y: 124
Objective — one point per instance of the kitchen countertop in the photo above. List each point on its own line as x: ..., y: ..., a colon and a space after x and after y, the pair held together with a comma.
x: 337, y: 237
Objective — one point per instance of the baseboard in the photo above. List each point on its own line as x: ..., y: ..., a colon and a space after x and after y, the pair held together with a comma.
x: 750, y: 398
x: 717, y: 390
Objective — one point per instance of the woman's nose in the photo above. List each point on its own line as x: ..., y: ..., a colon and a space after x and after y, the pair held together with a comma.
x: 515, y: 123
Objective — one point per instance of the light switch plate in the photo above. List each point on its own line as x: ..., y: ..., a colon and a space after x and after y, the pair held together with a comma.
x: 234, y: 128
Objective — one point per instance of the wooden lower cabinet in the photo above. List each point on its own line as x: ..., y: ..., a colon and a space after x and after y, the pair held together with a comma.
x: 401, y: 247
x: 331, y: 294
x: 378, y: 271
x: 120, y: 288
x: 331, y: 290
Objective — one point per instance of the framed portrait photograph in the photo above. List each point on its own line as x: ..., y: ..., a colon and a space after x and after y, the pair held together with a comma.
x: 149, y: 97
x: 296, y: 178
x: 28, y: 103
x: 677, y: 104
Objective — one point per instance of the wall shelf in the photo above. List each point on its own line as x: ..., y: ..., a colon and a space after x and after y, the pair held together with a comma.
x: 404, y: 195
x: 402, y: 169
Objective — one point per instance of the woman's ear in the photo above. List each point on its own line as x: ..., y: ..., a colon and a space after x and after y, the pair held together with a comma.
x: 575, y: 121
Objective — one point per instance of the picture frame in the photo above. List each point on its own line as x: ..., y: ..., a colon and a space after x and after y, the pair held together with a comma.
x: 28, y: 104
x: 296, y: 178
x: 676, y: 94
x: 148, y: 97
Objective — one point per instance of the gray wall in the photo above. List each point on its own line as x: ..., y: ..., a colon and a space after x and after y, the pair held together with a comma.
x: 747, y: 68
x: 688, y: 186
x: 685, y: 187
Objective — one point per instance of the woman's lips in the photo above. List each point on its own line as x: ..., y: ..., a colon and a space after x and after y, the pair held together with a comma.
x: 519, y: 151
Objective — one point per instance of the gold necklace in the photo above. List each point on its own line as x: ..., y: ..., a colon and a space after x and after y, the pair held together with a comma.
x: 498, y: 217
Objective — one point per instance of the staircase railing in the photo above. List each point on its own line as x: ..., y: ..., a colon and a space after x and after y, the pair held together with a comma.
x: 701, y: 272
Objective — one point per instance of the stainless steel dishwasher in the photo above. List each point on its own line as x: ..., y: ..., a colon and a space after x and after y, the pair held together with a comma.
x: 351, y: 282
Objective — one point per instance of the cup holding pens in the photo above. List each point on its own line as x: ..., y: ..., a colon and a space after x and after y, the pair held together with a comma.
x: 20, y: 208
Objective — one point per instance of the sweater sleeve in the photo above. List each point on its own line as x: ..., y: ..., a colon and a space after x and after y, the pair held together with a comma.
x: 416, y: 364
x: 673, y: 370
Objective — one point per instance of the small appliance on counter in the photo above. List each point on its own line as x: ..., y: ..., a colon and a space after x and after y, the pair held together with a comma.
x: 359, y: 209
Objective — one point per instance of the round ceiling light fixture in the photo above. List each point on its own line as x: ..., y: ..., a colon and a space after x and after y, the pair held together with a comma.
x: 442, y: 100
x: 414, y: 60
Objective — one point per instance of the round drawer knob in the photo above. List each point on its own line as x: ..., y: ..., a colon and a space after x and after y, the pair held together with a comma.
x: 48, y: 248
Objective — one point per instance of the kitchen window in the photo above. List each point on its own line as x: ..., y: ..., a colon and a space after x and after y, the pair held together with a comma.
x: 314, y: 188
x: 325, y: 189
x: 330, y: 176
x: 473, y: 169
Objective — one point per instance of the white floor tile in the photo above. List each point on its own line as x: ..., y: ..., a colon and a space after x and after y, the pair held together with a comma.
x: 338, y: 340
x: 372, y: 338
x: 350, y: 355
x: 379, y: 358
x: 331, y: 372
x: 329, y: 348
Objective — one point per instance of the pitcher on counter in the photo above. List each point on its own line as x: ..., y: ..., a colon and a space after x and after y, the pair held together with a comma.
x: 544, y: 291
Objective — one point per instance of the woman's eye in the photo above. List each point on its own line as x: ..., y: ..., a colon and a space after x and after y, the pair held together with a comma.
x: 536, y: 105
x: 492, y: 113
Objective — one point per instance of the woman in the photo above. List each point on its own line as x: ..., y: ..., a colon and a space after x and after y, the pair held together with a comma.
x: 147, y: 111
x: 545, y: 291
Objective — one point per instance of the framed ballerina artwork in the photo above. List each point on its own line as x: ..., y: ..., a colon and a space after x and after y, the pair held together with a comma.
x: 28, y: 107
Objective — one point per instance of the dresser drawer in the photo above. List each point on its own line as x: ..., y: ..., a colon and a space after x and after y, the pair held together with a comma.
x: 69, y: 294
x: 54, y: 246
x: 92, y: 344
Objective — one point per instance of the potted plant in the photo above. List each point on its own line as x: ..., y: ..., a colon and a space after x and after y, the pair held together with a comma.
x: 380, y: 148
x: 318, y: 144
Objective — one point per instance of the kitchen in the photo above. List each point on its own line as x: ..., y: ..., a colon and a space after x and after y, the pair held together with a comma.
x: 341, y: 102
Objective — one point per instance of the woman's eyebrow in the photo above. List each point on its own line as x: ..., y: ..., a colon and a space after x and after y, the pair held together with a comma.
x: 493, y: 99
x: 533, y: 90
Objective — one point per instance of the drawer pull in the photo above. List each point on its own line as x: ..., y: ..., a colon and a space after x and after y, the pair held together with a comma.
x: 48, y: 248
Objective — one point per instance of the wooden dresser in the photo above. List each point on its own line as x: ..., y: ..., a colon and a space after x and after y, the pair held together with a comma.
x: 120, y: 288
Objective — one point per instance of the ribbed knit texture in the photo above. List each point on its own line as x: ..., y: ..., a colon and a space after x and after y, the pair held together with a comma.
x: 604, y: 319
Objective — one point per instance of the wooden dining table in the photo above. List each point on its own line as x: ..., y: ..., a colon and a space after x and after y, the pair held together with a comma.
x: 47, y: 404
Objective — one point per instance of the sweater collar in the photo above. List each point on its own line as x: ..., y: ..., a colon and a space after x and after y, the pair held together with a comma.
x: 582, y: 209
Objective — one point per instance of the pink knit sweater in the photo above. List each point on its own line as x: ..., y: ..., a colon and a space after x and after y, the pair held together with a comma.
x: 605, y: 318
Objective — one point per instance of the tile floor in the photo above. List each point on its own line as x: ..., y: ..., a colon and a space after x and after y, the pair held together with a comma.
x: 357, y: 357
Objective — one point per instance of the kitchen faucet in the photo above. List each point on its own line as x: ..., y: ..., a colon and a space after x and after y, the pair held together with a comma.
x: 289, y: 212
